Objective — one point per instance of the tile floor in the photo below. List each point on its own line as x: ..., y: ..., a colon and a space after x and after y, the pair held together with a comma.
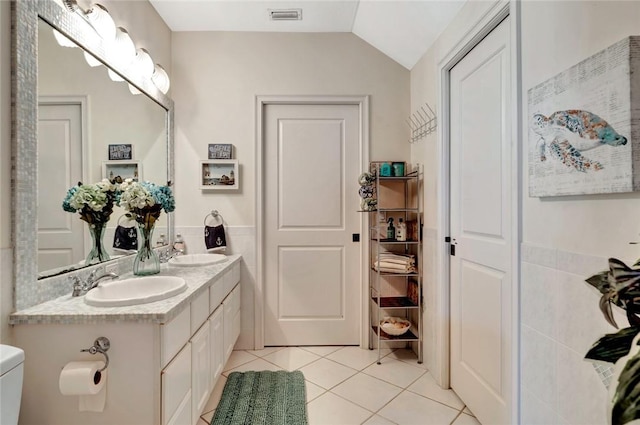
x: 346, y: 386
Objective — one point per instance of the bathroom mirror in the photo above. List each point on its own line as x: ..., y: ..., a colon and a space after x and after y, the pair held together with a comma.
x: 81, y: 112
x: 45, y: 74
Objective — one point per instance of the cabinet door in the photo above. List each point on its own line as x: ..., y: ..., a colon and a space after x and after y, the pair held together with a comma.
x: 216, y: 329
x: 176, y: 389
x: 227, y: 322
x: 236, y: 317
x: 200, y: 370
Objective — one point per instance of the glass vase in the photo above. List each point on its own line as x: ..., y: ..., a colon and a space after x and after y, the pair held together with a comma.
x: 146, y: 261
x: 98, y: 253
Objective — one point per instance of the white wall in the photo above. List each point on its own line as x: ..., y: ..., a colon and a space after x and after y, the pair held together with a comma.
x: 146, y: 29
x: 564, y: 239
x: 216, y: 77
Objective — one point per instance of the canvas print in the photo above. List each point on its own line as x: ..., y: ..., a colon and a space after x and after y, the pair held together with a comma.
x: 583, y: 126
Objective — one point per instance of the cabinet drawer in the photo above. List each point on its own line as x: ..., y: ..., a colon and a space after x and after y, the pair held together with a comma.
x: 175, y: 334
x: 199, y: 311
x: 176, y: 384
x: 216, y: 294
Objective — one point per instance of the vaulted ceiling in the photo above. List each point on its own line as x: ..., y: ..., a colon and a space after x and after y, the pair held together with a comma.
x: 401, y: 29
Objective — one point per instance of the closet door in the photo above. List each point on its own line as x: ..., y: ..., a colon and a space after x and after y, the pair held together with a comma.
x: 312, y: 266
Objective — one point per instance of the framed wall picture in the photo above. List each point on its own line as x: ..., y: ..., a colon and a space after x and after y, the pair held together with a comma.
x: 219, y: 174
x: 220, y: 151
x: 121, y: 152
x: 584, y: 126
x: 124, y: 169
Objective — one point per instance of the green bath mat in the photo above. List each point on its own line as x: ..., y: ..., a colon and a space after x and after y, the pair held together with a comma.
x: 262, y: 398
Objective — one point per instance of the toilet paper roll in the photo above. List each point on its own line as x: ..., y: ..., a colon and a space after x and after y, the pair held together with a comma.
x: 84, y: 380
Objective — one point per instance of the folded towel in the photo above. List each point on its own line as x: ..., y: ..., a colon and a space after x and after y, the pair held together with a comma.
x: 215, y: 238
x: 397, y: 261
x: 385, y: 266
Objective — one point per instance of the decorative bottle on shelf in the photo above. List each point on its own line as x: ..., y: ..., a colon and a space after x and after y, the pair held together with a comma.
x: 161, y: 240
x: 391, y: 230
x: 401, y: 230
x: 179, y: 244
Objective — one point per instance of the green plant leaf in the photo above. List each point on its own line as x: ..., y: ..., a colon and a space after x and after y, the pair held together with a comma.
x: 605, y: 308
x: 600, y: 281
x: 626, y: 401
x: 626, y: 279
x: 611, y: 347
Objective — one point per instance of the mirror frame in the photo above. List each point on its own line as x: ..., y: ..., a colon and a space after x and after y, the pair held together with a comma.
x: 25, y: 15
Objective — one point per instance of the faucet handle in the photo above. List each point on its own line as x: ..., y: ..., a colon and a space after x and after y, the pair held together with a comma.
x: 78, y: 286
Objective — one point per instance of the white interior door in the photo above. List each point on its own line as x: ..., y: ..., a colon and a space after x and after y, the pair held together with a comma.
x: 60, y: 234
x: 481, y: 185
x: 312, y: 267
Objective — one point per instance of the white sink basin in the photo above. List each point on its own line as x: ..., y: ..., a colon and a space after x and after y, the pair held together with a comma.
x: 195, y: 260
x: 137, y: 290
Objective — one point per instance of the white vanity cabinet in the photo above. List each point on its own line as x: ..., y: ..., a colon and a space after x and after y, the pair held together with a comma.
x: 211, y: 341
x: 165, y: 358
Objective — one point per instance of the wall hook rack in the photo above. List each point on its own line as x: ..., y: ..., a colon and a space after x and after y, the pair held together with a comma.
x: 422, y: 123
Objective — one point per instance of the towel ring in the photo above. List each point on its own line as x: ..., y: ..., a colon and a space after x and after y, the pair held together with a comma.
x: 216, y: 216
x: 128, y: 217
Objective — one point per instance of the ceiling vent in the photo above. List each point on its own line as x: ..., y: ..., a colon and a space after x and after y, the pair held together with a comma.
x: 285, y: 14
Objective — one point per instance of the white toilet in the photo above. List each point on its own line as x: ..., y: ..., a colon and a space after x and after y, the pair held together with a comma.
x: 11, y: 369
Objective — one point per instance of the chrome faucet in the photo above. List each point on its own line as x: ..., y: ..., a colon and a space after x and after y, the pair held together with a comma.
x: 167, y: 254
x: 81, y: 288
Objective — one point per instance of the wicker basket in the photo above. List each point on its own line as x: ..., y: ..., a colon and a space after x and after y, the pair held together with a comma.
x: 395, y: 325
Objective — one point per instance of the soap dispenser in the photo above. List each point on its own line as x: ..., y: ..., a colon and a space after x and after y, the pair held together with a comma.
x: 401, y: 230
x: 179, y: 245
x: 391, y: 230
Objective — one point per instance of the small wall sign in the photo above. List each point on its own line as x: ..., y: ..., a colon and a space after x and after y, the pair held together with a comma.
x: 220, y: 151
x: 120, y: 152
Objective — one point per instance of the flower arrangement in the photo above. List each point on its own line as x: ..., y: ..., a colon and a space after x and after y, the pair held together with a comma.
x: 145, y: 201
x: 94, y: 202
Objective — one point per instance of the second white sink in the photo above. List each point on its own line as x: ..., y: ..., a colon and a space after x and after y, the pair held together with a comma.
x: 138, y: 290
x: 196, y: 260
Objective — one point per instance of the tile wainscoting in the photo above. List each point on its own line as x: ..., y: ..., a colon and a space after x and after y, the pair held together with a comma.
x: 560, y: 321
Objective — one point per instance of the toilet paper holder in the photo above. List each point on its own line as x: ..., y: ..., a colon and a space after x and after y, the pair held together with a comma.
x: 100, y: 345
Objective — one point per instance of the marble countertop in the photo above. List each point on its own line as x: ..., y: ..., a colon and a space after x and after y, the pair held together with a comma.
x: 73, y: 310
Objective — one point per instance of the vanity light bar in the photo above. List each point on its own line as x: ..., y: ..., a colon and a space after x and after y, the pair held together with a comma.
x: 122, y: 50
x: 285, y: 14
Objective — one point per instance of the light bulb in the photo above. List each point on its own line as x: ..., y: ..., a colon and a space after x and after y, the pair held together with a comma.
x: 134, y: 90
x: 62, y: 39
x: 142, y: 66
x: 114, y: 76
x: 91, y: 60
x: 99, y: 18
x: 161, y: 79
x: 121, y: 51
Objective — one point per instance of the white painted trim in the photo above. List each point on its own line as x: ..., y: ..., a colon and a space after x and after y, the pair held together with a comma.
x: 476, y: 32
x: 261, y: 101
